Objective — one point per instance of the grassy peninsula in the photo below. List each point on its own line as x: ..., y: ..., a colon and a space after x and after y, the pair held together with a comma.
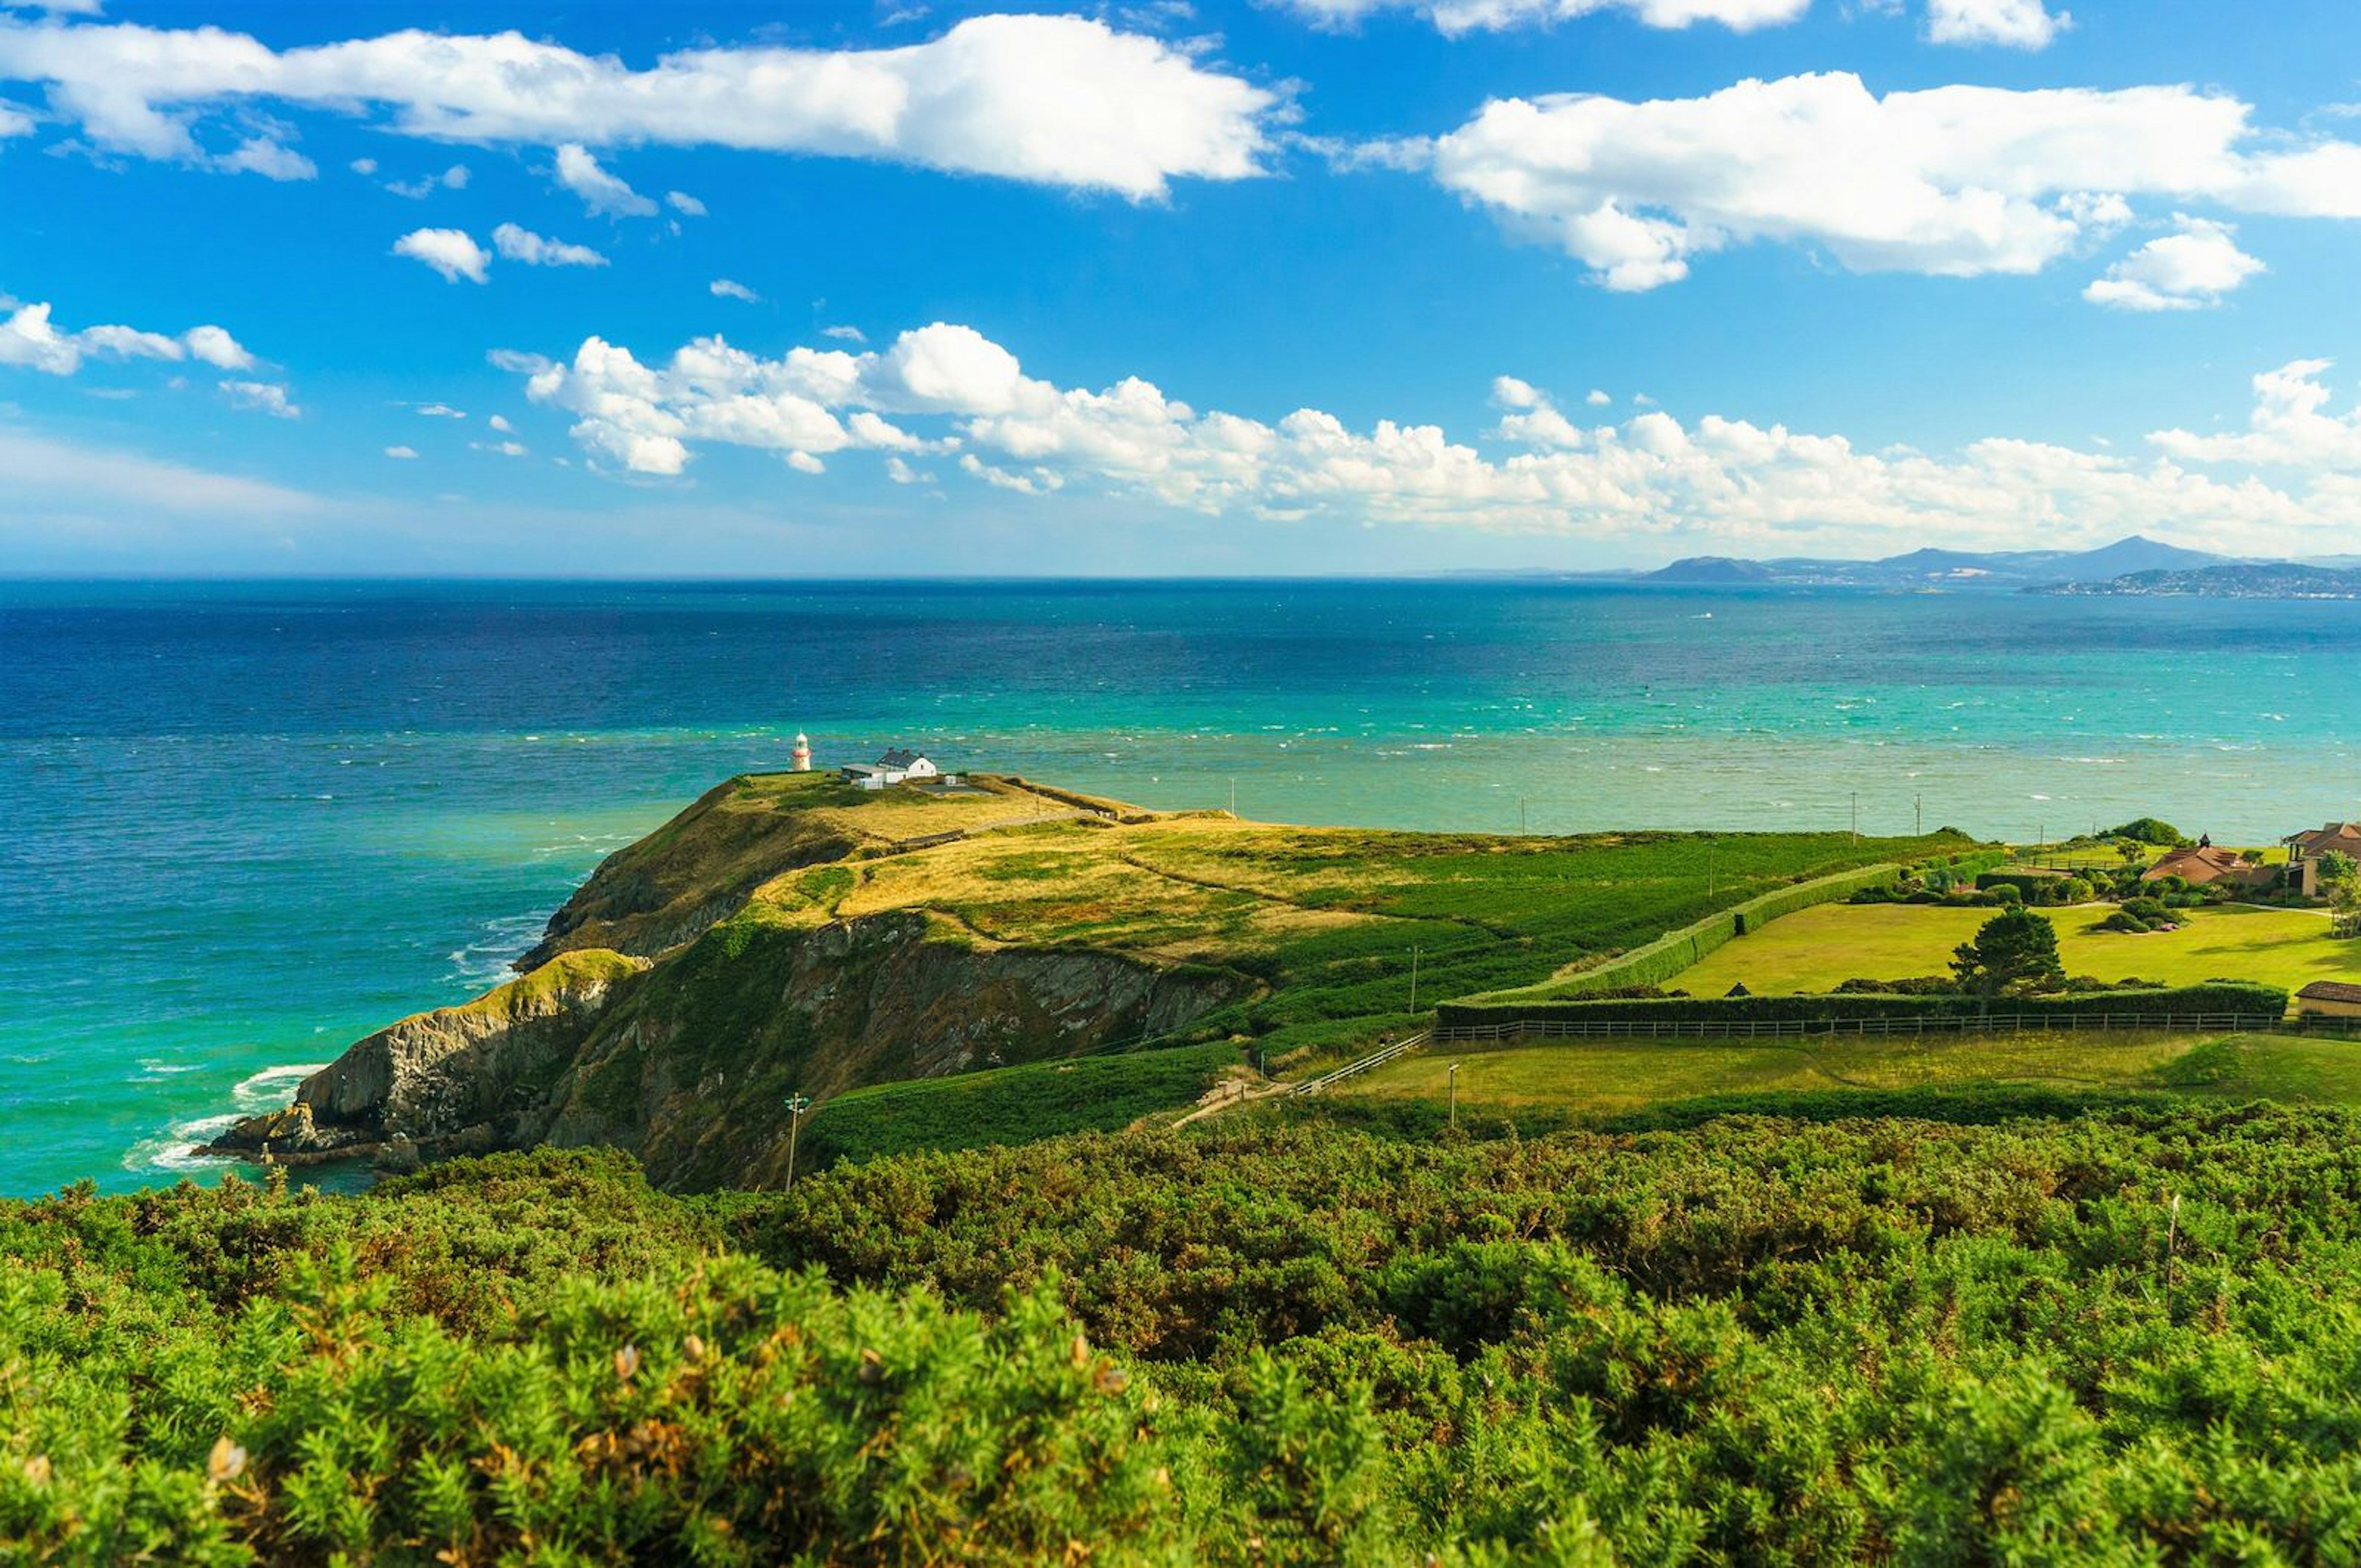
x: 942, y: 966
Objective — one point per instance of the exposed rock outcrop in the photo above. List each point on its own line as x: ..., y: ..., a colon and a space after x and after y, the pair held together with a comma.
x: 449, y: 1081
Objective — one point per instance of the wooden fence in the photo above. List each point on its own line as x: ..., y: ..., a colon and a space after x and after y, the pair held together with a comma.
x: 1353, y: 1070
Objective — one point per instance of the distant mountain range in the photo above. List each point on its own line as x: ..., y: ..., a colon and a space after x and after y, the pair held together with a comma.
x: 1947, y: 568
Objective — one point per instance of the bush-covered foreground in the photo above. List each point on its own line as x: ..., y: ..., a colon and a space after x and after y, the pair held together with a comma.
x: 2132, y: 1336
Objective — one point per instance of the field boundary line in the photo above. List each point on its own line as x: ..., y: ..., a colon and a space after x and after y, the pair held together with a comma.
x: 1355, y: 1069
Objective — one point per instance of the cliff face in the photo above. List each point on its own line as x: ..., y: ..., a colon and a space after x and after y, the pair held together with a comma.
x: 682, y: 1046
x: 690, y: 1070
x: 456, y: 1079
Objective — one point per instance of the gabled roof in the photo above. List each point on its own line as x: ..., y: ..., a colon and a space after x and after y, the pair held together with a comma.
x: 2207, y: 864
x: 2334, y: 836
x: 2329, y: 990
x: 898, y: 758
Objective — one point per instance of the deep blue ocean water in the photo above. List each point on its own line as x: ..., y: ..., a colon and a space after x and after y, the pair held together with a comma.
x: 247, y: 823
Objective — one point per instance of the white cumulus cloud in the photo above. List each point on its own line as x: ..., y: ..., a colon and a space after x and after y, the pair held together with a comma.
x: 404, y: 454
x: 30, y: 340
x: 451, y: 179
x: 2015, y: 23
x: 683, y: 203
x: 2184, y: 271
x: 261, y: 397
x: 452, y: 252
x: 1954, y: 182
x: 946, y: 389
x: 522, y: 244
x: 2287, y: 429
x: 1065, y: 100
x: 605, y: 194
x: 725, y: 288
x: 1453, y: 18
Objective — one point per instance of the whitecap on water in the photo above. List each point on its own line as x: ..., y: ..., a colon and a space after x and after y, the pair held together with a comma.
x: 171, y: 1152
x: 485, y: 960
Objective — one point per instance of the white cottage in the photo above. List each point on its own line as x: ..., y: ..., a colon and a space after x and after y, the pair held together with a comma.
x: 894, y: 767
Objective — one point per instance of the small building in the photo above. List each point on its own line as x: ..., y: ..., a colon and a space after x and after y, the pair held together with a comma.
x: 799, y: 760
x: 2329, y: 998
x: 2305, y: 851
x: 893, y: 766
x: 2206, y: 864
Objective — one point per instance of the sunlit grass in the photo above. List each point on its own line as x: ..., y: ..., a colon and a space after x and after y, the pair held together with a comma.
x: 1818, y: 949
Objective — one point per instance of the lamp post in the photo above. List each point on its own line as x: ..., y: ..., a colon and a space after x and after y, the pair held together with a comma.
x: 1453, y: 1079
x: 797, y: 1105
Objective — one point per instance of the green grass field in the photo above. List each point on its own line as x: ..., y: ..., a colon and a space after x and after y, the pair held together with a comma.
x: 1818, y: 949
x: 1606, y: 1077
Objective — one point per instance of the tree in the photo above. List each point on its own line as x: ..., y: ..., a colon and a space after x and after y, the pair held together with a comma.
x: 2015, y: 954
x: 2337, y: 874
x: 2340, y: 879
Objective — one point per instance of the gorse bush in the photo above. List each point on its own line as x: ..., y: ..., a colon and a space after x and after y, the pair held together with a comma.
x: 2012, y: 1329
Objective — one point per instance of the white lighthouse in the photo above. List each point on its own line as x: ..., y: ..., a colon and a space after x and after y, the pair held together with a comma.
x: 802, y: 754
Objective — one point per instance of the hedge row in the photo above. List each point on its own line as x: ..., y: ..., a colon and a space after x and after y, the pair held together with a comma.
x: 2221, y: 997
x: 1676, y: 952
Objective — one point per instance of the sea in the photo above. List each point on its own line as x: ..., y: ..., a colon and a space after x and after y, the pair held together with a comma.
x: 247, y: 823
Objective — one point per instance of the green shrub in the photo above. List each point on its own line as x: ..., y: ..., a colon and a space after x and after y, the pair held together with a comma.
x: 2151, y: 831
x: 1990, y: 1325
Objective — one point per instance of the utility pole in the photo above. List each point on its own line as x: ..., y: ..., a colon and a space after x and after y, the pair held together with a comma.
x: 1918, y: 815
x: 1711, y: 886
x: 1454, y: 1077
x: 1521, y: 817
x: 1856, y: 816
x: 1233, y: 797
x: 1413, y: 978
x: 797, y: 1105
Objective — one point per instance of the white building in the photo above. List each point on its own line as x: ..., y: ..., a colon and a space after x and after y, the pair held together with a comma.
x: 894, y: 767
x: 800, y: 759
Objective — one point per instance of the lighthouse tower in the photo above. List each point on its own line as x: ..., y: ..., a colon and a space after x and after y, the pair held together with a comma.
x: 802, y: 754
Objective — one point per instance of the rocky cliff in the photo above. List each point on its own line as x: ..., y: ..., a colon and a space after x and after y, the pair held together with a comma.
x: 682, y: 1046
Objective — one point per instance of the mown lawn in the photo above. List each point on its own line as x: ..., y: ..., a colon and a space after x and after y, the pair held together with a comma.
x: 1818, y: 949
x: 1610, y: 1075
x: 1627, y: 1075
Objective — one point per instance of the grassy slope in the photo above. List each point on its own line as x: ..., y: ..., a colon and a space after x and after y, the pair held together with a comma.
x: 697, y: 867
x: 1326, y: 917
x: 1314, y: 928
x: 1014, y: 1105
x: 1612, y: 1076
x: 1817, y: 949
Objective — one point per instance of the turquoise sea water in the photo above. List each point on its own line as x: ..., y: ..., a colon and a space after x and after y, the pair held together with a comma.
x: 247, y: 824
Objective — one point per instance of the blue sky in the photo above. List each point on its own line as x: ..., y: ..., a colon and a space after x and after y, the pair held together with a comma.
x: 1330, y: 285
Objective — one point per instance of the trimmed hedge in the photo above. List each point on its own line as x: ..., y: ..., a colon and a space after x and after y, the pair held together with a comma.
x: 2262, y: 1001
x: 1676, y: 952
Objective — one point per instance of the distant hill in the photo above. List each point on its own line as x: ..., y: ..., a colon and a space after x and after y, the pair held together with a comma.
x: 2271, y: 580
x: 1933, y: 568
x: 1713, y: 569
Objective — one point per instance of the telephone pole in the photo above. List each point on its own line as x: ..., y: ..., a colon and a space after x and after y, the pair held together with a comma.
x: 1453, y: 1077
x: 1918, y: 815
x: 1856, y: 816
x: 1413, y: 978
x: 797, y: 1105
